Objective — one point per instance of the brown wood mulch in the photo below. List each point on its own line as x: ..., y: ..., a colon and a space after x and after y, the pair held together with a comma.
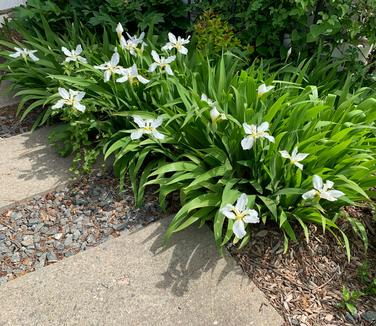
x: 10, y: 123
x: 305, y: 284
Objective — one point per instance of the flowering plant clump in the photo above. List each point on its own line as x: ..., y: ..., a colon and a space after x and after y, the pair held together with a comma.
x: 213, y: 133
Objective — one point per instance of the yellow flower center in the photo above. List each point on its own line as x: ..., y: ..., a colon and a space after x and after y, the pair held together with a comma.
x: 238, y: 215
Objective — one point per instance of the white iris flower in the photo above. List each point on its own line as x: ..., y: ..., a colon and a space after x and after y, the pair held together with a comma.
x: 70, y: 98
x: 177, y: 43
x: 119, y: 30
x: 24, y: 53
x: 148, y: 127
x: 130, y: 75
x: 161, y: 62
x: 323, y: 190
x: 215, y: 115
x: 255, y: 132
x: 74, y: 55
x: 295, y: 157
x: 131, y: 45
x: 262, y: 89
x: 241, y: 215
x: 205, y: 98
x: 111, y: 67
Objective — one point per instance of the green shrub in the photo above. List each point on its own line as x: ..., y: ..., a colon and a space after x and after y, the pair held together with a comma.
x: 264, y: 23
x: 164, y: 15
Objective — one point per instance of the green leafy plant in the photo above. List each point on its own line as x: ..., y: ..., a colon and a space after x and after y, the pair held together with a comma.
x: 164, y: 15
x: 266, y: 24
x: 349, y: 299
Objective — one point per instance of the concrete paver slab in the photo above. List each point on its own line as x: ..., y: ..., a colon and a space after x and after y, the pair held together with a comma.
x: 134, y: 280
x: 29, y: 166
x: 6, y: 4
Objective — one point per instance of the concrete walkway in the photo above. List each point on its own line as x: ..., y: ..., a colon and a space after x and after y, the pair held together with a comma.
x: 134, y: 280
x: 29, y: 166
x: 131, y: 280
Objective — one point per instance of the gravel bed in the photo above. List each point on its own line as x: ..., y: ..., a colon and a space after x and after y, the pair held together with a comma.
x: 305, y: 284
x: 62, y: 223
x: 11, y: 125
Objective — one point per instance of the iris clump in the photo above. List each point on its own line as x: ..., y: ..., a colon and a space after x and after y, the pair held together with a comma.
x: 239, y: 146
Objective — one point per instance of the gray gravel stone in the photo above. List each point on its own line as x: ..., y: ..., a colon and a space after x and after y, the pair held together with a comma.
x: 51, y: 257
x: 15, y: 258
x: 27, y: 240
x: 16, y: 216
x: 76, y: 234
x: 34, y: 221
x: 120, y: 226
x: 369, y: 316
x: 68, y: 240
x: 58, y: 236
x: 41, y: 261
x: 58, y: 245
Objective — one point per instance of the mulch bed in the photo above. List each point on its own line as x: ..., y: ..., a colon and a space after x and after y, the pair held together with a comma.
x: 11, y: 125
x: 62, y: 223
x: 305, y: 284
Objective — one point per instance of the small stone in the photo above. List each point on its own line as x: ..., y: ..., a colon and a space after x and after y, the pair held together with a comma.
x: 67, y: 213
x: 3, y: 280
x: 15, y: 258
x: 79, y: 201
x: 27, y: 240
x: 41, y: 261
x: 119, y: 227
x: 59, y: 246
x: 16, y: 216
x: 68, y: 240
x: 369, y: 316
x: 33, y: 221
x: 58, y: 236
x: 2, y: 236
x: 349, y: 318
x: 76, y: 234
x: 38, y: 227
x: 78, y: 219
x: 51, y: 231
x: 90, y: 239
x: 51, y: 257
x: 295, y: 322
